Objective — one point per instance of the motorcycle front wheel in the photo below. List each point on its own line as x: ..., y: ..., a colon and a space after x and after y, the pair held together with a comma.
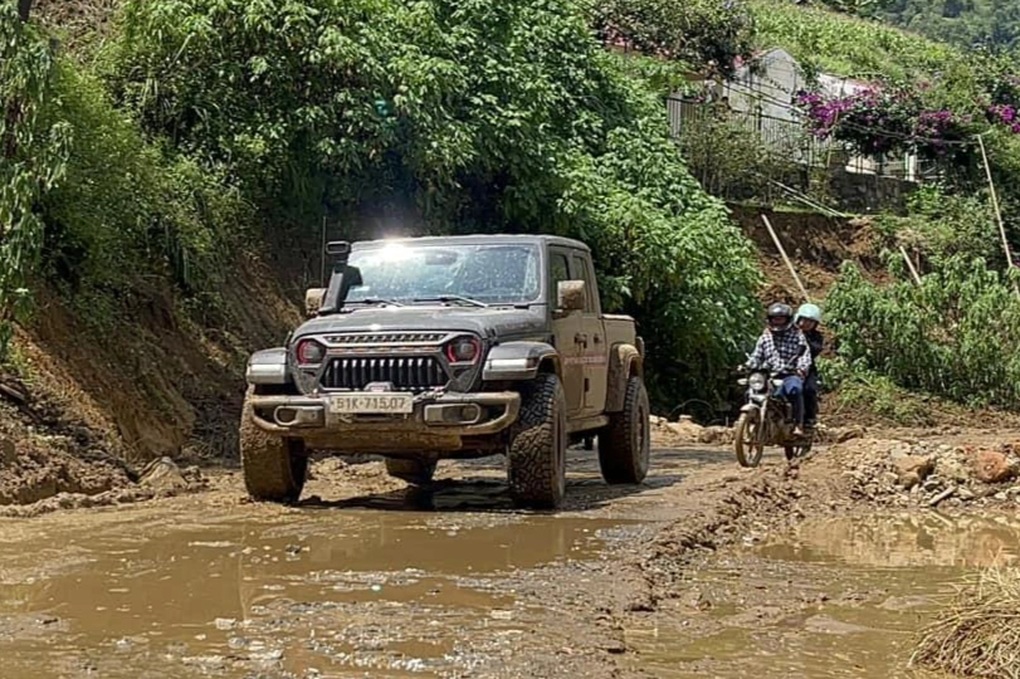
x: 793, y: 452
x: 747, y: 440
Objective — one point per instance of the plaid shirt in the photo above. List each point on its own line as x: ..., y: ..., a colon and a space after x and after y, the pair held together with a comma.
x: 777, y: 351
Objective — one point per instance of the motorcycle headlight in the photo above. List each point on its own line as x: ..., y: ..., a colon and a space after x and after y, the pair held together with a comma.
x: 756, y: 381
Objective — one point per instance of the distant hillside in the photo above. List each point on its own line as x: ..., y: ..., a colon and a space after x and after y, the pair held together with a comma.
x: 973, y: 24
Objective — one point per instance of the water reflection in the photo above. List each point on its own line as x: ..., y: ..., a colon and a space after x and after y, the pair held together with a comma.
x: 903, y: 541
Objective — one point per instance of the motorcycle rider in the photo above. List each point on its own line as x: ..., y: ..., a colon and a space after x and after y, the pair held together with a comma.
x: 781, y: 346
x: 808, y: 318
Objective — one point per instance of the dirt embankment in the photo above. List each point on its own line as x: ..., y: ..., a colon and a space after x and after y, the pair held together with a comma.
x: 818, y: 246
x: 85, y: 403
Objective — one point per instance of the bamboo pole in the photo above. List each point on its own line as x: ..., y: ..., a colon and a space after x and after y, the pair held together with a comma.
x: 998, y: 212
x: 782, y: 252
x: 910, y: 265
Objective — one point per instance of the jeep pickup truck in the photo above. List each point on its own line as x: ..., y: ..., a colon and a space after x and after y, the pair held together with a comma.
x: 431, y: 348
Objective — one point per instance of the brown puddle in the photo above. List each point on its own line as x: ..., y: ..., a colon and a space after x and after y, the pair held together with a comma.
x: 312, y: 593
x: 838, y: 598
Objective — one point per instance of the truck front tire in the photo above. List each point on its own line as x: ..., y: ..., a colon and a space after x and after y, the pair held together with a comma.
x: 274, y: 468
x: 624, y: 445
x: 416, y: 472
x: 537, y: 459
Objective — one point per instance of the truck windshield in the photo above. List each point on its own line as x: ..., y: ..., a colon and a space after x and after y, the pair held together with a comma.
x: 408, y: 273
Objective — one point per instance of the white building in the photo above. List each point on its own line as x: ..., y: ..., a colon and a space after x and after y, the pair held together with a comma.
x: 762, y: 94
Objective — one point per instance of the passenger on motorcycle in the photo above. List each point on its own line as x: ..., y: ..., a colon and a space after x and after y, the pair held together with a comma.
x: 782, y: 348
x: 809, y: 317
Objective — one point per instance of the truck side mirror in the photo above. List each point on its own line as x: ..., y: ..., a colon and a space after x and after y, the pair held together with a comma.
x: 570, y: 296
x: 313, y: 300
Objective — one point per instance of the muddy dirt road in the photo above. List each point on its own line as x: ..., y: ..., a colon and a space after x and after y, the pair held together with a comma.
x: 695, y: 573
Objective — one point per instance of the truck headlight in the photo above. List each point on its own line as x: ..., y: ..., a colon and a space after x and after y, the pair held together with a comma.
x: 463, y: 350
x: 309, y: 352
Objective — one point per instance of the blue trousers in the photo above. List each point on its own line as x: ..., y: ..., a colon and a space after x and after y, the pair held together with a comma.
x: 793, y: 391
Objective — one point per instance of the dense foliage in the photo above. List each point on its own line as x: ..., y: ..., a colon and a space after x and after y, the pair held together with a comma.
x: 124, y: 208
x: 954, y: 335
x: 990, y: 24
x: 33, y: 152
x: 709, y: 35
x: 479, y: 117
x: 974, y: 24
x: 87, y: 204
x: 939, y: 226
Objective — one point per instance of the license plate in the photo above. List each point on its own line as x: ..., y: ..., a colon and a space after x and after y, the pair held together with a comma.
x: 372, y: 403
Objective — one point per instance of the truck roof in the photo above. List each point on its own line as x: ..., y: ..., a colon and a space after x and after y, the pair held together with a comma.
x: 478, y: 239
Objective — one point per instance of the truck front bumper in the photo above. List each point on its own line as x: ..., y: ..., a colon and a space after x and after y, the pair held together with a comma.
x: 438, y: 422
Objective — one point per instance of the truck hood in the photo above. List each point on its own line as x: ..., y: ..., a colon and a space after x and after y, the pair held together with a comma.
x: 493, y: 322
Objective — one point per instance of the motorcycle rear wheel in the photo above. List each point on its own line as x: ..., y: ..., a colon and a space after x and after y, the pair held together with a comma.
x: 746, y: 440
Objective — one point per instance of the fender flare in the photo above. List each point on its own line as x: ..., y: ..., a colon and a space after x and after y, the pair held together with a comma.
x: 625, y: 360
x: 268, y: 366
x: 516, y: 361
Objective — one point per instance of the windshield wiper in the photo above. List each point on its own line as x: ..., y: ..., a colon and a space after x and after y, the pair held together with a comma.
x: 373, y: 300
x: 446, y: 299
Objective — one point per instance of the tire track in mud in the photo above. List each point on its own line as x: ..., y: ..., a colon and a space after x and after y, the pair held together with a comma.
x: 639, y: 572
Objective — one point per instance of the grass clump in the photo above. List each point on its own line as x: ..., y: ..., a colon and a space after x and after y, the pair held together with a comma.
x: 978, y: 634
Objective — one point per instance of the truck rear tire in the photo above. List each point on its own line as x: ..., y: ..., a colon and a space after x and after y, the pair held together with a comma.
x: 274, y: 468
x: 537, y: 459
x: 416, y: 472
x: 624, y: 445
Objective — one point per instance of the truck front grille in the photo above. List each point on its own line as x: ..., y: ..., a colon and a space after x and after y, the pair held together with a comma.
x: 402, y: 338
x: 417, y: 373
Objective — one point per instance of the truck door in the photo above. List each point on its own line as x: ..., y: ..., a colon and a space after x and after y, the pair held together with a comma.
x: 593, y: 344
x: 566, y: 330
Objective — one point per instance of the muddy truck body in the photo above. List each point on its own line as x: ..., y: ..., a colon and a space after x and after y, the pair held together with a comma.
x: 432, y: 348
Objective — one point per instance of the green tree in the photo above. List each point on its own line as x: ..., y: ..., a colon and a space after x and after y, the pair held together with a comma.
x: 483, y: 116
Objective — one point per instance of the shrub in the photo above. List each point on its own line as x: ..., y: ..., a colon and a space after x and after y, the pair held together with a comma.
x: 33, y: 151
x: 977, y: 635
x: 940, y: 225
x: 124, y: 210
x: 953, y: 336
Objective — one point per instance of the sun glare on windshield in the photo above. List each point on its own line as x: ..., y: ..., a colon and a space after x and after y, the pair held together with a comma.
x: 448, y: 273
x: 395, y: 251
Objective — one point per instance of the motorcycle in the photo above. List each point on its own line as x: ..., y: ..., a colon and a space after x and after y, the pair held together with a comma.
x: 766, y: 419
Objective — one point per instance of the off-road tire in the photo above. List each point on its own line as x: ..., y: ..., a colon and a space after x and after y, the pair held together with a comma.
x: 537, y: 458
x: 624, y: 445
x: 275, y: 468
x: 749, y: 452
x: 415, y: 472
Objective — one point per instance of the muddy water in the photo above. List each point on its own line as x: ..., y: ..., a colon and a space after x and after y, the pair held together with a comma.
x: 305, y: 592
x: 839, y: 598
